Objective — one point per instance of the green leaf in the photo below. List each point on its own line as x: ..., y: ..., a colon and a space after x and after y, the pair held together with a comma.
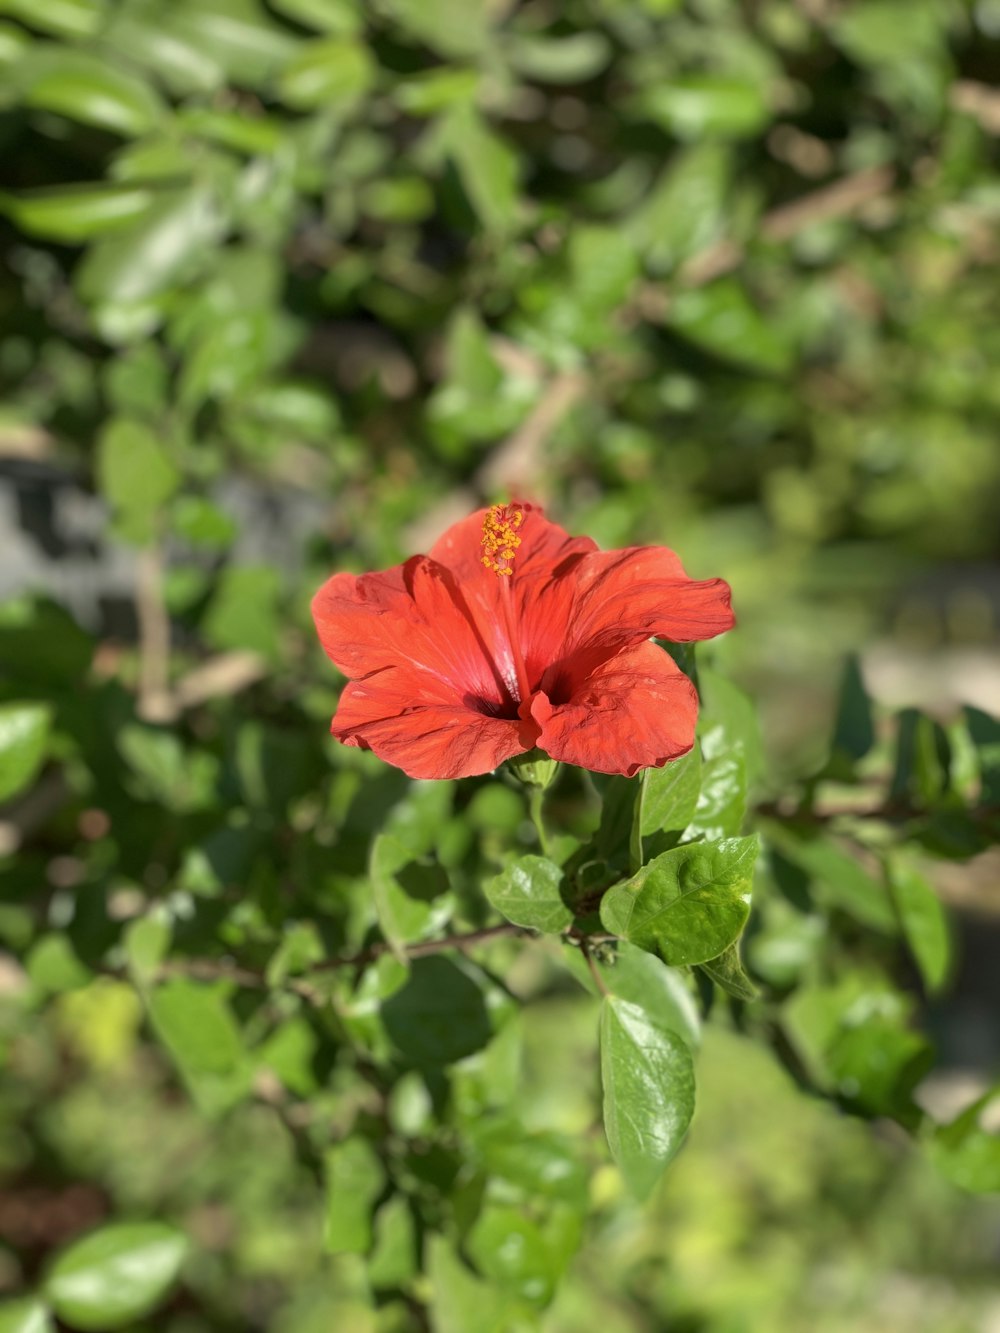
x: 355, y: 1178
x: 509, y: 1249
x: 460, y: 1302
x: 727, y: 971
x: 854, y: 730
x: 76, y: 213
x: 342, y: 17
x: 116, y: 1275
x: 720, y: 319
x: 709, y: 106
x: 440, y: 1015
x: 24, y: 734
x: 197, y: 1027
x: 686, y: 210
x: 647, y: 1073
x: 25, y: 1316
x: 394, y: 1258
x: 72, y: 19
x: 619, y: 834
x: 527, y: 892
x: 632, y: 974
x: 169, y: 244
x: 83, y: 87
x: 53, y: 967
x: 687, y: 905
x: 452, y: 27
x: 405, y: 890
x: 984, y: 732
x: 670, y: 795
x: 333, y: 74
x: 923, y: 920
x: 136, y: 474
x: 968, y: 1153
x: 573, y: 59
x: 839, y: 880
x: 487, y: 167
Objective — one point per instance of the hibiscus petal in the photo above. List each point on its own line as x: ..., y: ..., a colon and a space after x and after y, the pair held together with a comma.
x: 619, y: 598
x: 412, y: 614
x: 634, y: 710
x: 424, y: 728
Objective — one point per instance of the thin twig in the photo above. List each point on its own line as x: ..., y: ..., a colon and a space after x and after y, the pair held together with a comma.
x: 594, y: 970
x: 154, y: 637
x: 210, y: 969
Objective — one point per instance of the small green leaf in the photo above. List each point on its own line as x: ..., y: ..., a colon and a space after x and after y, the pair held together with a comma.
x: 966, y: 1152
x: 136, y: 474
x: 197, y: 1027
x: 647, y: 1073
x: 687, y: 905
x: 461, y: 1302
x: 527, y: 892
x: 76, y: 213
x: 487, y: 167
x: 354, y: 1179
x: 25, y: 1316
x: 923, y: 920
x: 709, y: 106
x: 854, y: 730
x: 116, y: 1275
x: 721, y: 319
x: 332, y: 74
x: 572, y: 59
x: 83, y: 87
x: 633, y: 974
x: 24, y: 734
x: 408, y: 893
x: 727, y: 971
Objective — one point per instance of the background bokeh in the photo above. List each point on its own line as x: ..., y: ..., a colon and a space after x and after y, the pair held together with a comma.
x: 287, y: 287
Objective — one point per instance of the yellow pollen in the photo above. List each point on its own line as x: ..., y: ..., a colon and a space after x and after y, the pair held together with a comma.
x: 500, y: 539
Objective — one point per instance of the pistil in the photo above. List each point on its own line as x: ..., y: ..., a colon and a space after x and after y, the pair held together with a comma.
x: 500, y: 543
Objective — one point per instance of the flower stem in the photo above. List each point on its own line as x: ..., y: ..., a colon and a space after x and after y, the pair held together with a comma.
x: 536, y: 796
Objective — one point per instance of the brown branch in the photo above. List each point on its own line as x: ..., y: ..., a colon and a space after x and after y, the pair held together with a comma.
x: 211, y: 969
x: 154, y: 703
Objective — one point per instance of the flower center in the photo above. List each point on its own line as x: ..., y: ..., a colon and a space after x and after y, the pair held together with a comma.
x: 500, y: 543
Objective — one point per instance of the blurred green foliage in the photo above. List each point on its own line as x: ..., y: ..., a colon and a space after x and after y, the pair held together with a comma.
x: 712, y: 273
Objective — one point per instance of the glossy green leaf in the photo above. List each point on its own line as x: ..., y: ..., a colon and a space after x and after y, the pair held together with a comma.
x: 452, y: 27
x: 670, y: 794
x: 527, y: 892
x: 83, y: 87
x: 687, y: 905
x: 24, y: 734
x: 632, y: 974
x: 25, y: 1316
x: 984, y: 731
x: 354, y: 1180
x: 237, y: 35
x: 923, y: 919
x: 685, y: 211
x: 839, y: 880
x: 116, y: 1275
x: 647, y: 1074
x: 76, y: 212
x: 572, y: 59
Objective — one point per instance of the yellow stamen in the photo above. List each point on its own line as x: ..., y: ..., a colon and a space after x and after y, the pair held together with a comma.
x: 500, y: 539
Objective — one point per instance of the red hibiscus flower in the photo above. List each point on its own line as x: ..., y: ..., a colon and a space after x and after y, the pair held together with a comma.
x: 512, y: 635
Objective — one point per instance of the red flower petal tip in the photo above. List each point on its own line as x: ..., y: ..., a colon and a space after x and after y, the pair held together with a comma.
x: 511, y: 635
